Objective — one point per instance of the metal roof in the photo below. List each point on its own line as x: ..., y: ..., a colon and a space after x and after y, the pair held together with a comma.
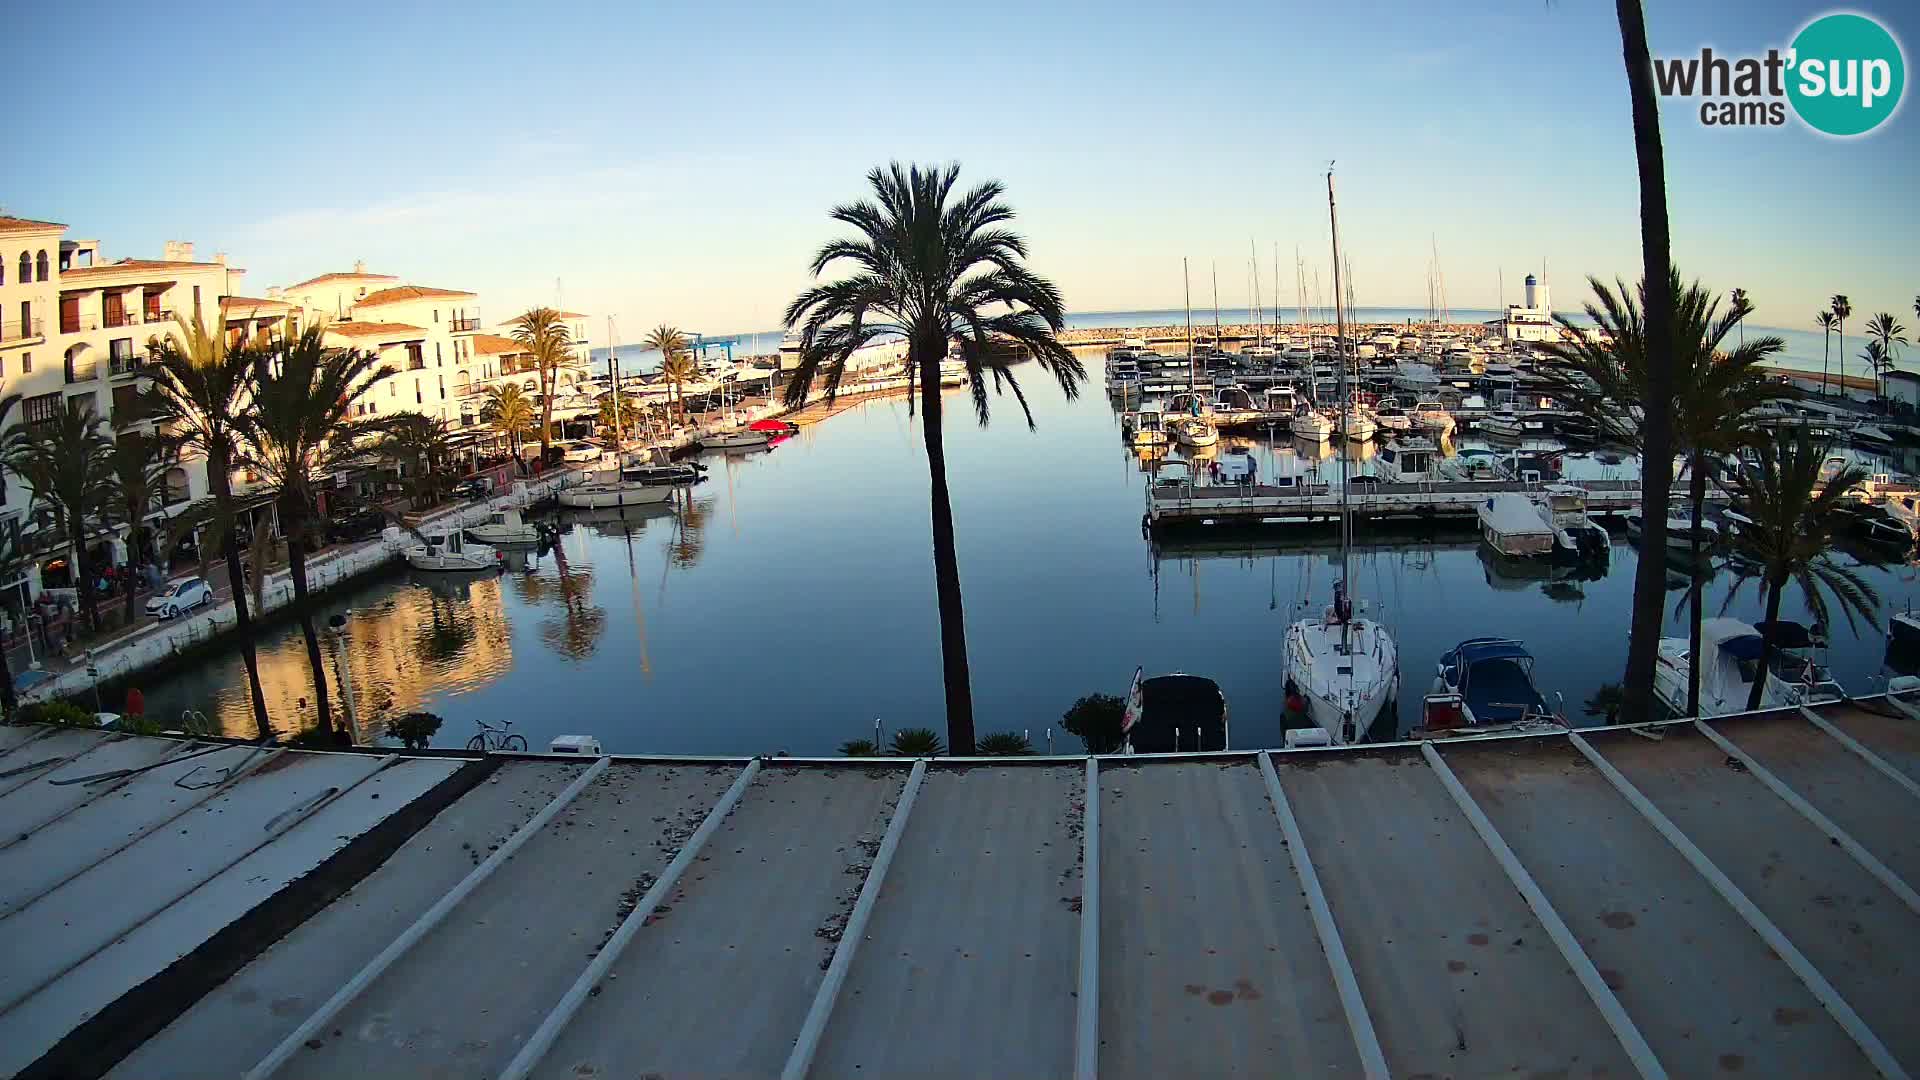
x: 1680, y: 899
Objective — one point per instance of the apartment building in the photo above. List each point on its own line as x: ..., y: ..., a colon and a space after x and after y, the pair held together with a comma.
x: 74, y: 332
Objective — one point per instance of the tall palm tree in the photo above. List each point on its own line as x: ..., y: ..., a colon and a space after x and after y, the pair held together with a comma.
x: 65, y: 462
x: 679, y: 369
x: 508, y: 411
x: 1889, y: 335
x: 544, y: 334
x: 1842, y: 308
x: 419, y: 444
x: 199, y: 388
x: 300, y: 427
x: 1826, y: 321
x: 626, y: 418
x: 928, y: 265
x: 1715, y: 392
x: 137, y: 468
x: 675, y: 366
x: 1792, y: 510
x: 1740, y: 307
x: 1656, y: 255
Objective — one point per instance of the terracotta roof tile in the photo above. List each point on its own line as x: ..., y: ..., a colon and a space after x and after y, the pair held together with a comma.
x: 393, y: 330
x: 137, y: 266
x: 495, y: 345
x: 15, y: 224
x: 325, y: 278
x: 253, y: 303
x: 403, y: 293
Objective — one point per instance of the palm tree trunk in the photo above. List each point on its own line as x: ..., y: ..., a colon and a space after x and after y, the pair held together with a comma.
x: 1774, y: 588
x: 1649, y: 586
x: 946, y: 561
x: 1697, y: 497
x: 83, y: 577
x: 9, y: 700
x: 222, y: 486
x: 293, y: 521
x: 133, y: 550
x: 1826, y: 353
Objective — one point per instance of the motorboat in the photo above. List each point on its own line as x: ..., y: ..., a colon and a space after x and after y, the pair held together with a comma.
x: 745, y: 437
x: 1472, y: 464
x: 1392, y: 418
x: 1357, y: 423
x: 1149, y: 426
x: 1196, y: 431
x: 1733, y: 650
x: 1682, y: 528
x: 1511, y: 525
x: 1485, y: 686
x: 675, y: 473
x: 602, y: 494
x: 1874, y: 523
x: 1409, y: 459
x: 505, y: 526
x: 1173, y: 474
x: 448, y: 550
x: 1502, y: 423
x: 1236, y: 466
x: 1577, y: 538
x: 1434, y: 417
x: 1174, y: 713
x: 1312, y: 425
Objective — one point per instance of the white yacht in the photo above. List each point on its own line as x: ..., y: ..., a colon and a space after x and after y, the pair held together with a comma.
x: 1512, y: 526
x: 1577, y: 538
x: 605, y: 494
x: 1149, y: 425
x: 504, y: 526
x: 740, y: 438
x: 449, y: 551
x: 1196, y: 431
x: 1502, y: 423
x: 1434, y: 417
x: 1345, y: 666
x: 1356, y: 423
x: 1409, y: 459
x: 1312, y: 425
x: 1733, y: 649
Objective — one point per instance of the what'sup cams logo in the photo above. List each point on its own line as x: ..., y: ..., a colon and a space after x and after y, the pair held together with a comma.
x: 1844, y: 75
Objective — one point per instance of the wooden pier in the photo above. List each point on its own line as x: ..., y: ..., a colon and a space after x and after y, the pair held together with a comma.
x: 1179, y: 506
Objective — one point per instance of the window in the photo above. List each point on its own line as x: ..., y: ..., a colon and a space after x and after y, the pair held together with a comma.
x: 26, y: 363
x: 41, y: 410
x: 418, y: 399
x: 196, y: 302
x: 415, y: 359
x: 26, y: 268
x: 436, y: 354
x: 436, y: 314
x: 43, y: 265
x: 126, y: 403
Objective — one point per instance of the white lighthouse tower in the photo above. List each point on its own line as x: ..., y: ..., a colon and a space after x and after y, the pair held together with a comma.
x: 1533, y: 319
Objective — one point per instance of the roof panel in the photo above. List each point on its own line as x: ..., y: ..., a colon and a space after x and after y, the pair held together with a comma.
x: 726, y: 977
x: 1457, y: 974
x: 233, y: 1027
x: 1894, y: 738
x: 1209, y: 964
x: 462, y: 1001
x: 32, y: 806
x: 1634, y: 904
x: 972, y: 953
x: 1852, y: 929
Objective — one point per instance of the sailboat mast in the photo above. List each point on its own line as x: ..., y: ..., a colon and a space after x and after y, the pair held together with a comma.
x: 613, y: 369
x: 1193, y: 372
x: 1216, y: 304
x: 1346, y: 406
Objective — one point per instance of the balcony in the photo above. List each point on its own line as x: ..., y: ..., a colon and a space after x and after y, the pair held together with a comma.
x: 30, y: 330
x: 120, y: 318
x: 120, y: 366
x: 80, y: 371
x: 463, y: 326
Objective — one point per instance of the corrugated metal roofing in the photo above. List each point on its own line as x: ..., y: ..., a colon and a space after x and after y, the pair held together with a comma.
x: 1680, y: 900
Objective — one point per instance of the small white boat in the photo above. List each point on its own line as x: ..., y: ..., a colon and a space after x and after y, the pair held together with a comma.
x: 1732, y: 649
x: 1346, y: 668
x: 1358, y: 424
x: 1194, y: 431
x: 1392, y: 418
x: 1312, y: 425
x: 449, y: 551
x: 1485, y: 686
x: 1409, y: 459
x: 1434, y: 417
x: 1502, y: 423
x: 504, y: 526
x: 1511, y: 525
x: 1149, y: 425
x: 742, y: 437
x: 1681, y: 528
x: 1576, y: 537
x: 614, y: 493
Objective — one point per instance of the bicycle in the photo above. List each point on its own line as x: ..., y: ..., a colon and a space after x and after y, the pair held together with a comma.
x: 493, y: 739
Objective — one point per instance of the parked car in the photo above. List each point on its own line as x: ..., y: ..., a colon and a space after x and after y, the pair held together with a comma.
x: 181, y: 597
x: 580, y: 453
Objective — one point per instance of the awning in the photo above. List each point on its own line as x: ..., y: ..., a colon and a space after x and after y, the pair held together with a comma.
x: 770, y: 425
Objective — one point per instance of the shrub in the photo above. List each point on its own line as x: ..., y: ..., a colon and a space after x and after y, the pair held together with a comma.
x: 1004, y: 744
x: 1096, y: 719
x: 313, y: 739
x: 918, y: 742
x: 65, y: 713
x: 415, y: 730
x: 859, y: 748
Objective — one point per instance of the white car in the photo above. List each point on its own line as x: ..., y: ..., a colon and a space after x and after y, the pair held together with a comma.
x: 581, y: 453
x: 181, y: 597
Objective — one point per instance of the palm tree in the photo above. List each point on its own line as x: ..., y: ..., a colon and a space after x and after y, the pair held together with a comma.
x: 300, y: 428
x: 1842, y: 308
x: 679, y: 369
x: 546, y: 338
x: 1656, y: 256
x: 65, y: 463
x: 1889, y: 335
x: 199, y: 388
x: 1740, y: 308
x: 1875, y: 359
x: 1715, y: 393
x: 419, y: 444
x: 627, y: 417
x: 1792, y: 510
x: 508, y: 412
x: 675, y: 366
x: 1826, y: 321
x: 137, y: 467
x: 929, y: 263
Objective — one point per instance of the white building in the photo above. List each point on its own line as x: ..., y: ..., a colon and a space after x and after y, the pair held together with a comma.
x: 1532, y: 320
x: 74, y: 332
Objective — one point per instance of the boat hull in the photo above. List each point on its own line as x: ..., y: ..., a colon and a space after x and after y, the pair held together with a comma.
x: 600, y: 497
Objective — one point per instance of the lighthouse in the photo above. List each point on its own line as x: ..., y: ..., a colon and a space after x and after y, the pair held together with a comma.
x: 1537, y: 296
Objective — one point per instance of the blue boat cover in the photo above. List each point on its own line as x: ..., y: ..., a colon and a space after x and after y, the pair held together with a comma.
x: 1744, y: 647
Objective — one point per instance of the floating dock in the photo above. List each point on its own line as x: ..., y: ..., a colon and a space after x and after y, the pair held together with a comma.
x: 1173, y: 506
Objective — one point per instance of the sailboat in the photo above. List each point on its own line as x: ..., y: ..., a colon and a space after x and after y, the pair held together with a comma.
x: 1195, y: 426
x: 1345, y: 666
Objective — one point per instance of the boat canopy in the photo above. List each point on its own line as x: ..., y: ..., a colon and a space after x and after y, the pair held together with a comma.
x: 770, y: 425
x: 1495, y: 677
x: 1786, y: 634
x: 1179, y: 712
x: 1514, y: 515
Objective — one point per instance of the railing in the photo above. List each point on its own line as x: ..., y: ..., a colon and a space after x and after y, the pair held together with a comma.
x: 119, y: 318
x: 74, y: 324
x: 463, y: 326
x: 23, y: 331
x: 125, y: 365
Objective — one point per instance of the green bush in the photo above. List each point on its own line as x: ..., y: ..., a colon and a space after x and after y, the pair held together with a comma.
x: 859, y: 748
x: 1004, y: 744
x: 918, y: 742
x: 64, y: 713
x: 313, y: 739
x: 1096, y: 719
x: 415, y: 730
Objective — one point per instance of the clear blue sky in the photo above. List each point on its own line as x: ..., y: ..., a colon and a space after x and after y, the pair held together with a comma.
x: 673, y: 162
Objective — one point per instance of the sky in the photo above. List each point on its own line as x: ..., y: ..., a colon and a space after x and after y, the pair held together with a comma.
x: 668, y: 162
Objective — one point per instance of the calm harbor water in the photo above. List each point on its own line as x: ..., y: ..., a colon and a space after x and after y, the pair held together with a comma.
x: 792, y: 604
